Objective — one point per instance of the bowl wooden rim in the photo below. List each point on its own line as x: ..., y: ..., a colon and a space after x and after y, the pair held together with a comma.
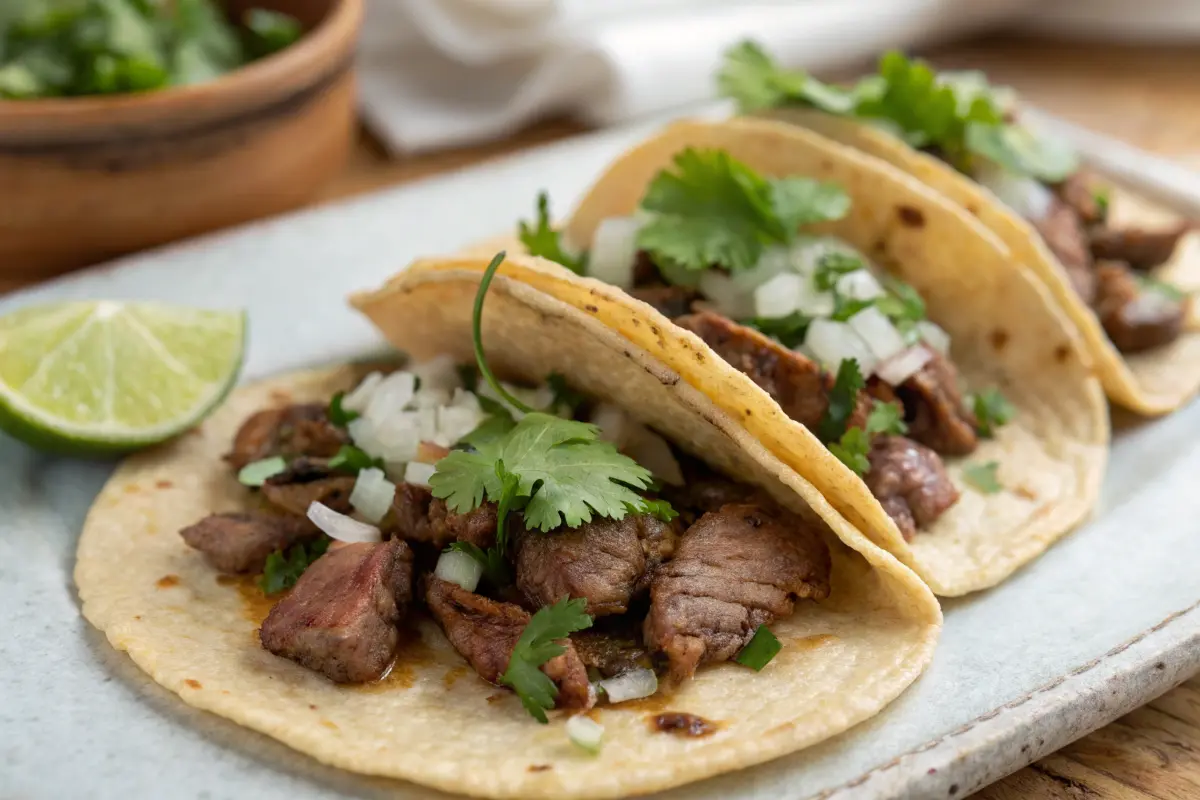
x: 321, y: 52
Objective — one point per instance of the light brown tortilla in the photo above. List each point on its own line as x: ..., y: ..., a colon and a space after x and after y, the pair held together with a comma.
x: 1006, y: 332
x: 433, y: 721
x: 1154, y: 382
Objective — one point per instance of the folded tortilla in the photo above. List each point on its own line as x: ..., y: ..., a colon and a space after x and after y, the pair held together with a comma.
x: 1152, y: 382
x: 1005, y: 329
x: 432, y: 721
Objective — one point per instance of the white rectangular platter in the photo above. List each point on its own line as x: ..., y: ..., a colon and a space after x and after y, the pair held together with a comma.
x: 1106, y: 620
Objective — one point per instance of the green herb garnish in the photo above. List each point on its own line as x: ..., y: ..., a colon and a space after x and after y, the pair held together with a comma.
x: 853, y: 448
x: 538, y: 645
x: 542, y: 240
x: 832, y: 266
x: 887, y: 418
x: 983, y: 477
x: 789, y: 330
x: 256, y: 472
x: 992, y: 410
x: 91, y: 47
x: 759, y: 651
x: 337, y: 414
x: 352, y: 459
x: 713, y: 210
x: 902, y: 303
x: 842, y: 399
x: 1101, y: 196
x: 282, y: 571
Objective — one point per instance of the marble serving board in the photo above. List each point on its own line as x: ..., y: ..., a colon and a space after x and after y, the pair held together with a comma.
x: 1105, y: 621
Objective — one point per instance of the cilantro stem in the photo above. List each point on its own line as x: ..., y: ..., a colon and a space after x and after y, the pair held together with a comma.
x: 477, y: 334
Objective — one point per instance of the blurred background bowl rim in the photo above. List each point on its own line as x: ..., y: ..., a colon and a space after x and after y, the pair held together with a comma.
x: 321, y: 49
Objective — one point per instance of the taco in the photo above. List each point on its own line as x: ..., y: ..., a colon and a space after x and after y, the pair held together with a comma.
x: 872, y: 334
x: 444, y: 561
x: 1113, y: 263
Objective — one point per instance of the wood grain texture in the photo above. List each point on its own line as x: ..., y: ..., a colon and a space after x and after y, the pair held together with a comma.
x: 1148, y: 96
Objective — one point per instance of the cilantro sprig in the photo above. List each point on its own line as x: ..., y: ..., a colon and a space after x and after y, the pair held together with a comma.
x: 855, y: 444
x: 282, y: 571
x: 337, y: 414
x: 538, y: 645
x: 983, y: 477
x: 992, y: 410
x: 842, y: 399
x: 540, y: 239
x: 959, y: 114
x: 713, y: 210
x: 789, y: 330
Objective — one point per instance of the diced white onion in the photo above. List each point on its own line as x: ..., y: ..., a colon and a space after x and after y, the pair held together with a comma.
x: 1022, y: 194
x: 614, y: 249
x: 341, y: 527
x: 652, y: 451
x: 772, y: 262
x: 630, y: 685
x: 834, y: 342
x: 585, y: 732
x: 859, y: 285
x: 357, y: 400
x: 431, y: 397
x: 899, y: 368
x: 779, y: 296
x: 934, y: 336
x: 725, y: 296
x: 438, y: 373
x: 391, y: 396
x: 373, y: 494
x: 878, y: 332
x: 812, y: 301
x: 419, y: 473
x: 455, y: 422
x: 808, y: 251
x: 614, y: 424
x: 458, y: 567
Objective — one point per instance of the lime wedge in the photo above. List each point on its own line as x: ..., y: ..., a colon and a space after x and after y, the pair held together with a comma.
x: 104, y: 376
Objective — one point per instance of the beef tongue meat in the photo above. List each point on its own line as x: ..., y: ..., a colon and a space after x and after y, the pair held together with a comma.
x: 605, y: 561
x: 289, y: 431
x: 485, y: 631
x: 934, y: 408
x: 295, y: 498
x: 799, y: 385
x: 1135, y: 316
x: 735, y: 569
x: 241, y: 542
x: 418, y: 516
x: 340, y: 618
x: 1140, y: 248
x: 910, y: 482
x: 1063, y: 232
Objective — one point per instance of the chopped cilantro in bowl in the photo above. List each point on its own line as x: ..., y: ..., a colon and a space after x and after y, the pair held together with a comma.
x: 69, y: 48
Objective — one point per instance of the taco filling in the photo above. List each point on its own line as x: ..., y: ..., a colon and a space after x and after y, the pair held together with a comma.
x: 960, y: 119
x: 844, y: 348
x: 569, y: 553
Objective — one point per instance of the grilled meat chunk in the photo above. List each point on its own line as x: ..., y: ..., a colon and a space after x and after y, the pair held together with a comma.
x: 800, y: 386
x: 604, y: 561
x: 295, y: 498
x: 484, y: 632
x: 340, y: 618
x: 1136, y: 317
x: 910, y: 482
x: 610, y: 654
x: 289, y: 431
x: 418, y: 516
x: 934, y: 409
x: 1078, y: 193
x: 1064, y: 234
x: 735, y: 569
x: 1139, y: 248
x: 242, y: 542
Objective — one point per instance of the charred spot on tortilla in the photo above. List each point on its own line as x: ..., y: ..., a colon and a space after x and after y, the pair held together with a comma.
x: 167, y: 581
x: 163, y: 484
x: 683, y: 724
x: 1062, y: 353
x: 910, y: 217
x: 998, y: 338
x: 193, y: 683
x: 592, y: 309
x: 540, y: 767
x: 973, y: 209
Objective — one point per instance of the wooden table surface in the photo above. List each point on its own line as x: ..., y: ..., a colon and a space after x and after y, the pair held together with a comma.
x: 1148, y: 96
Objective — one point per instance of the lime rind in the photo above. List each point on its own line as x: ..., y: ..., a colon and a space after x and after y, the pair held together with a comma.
x: 106, y: 377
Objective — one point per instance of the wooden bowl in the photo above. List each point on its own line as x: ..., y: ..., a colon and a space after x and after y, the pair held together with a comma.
x: 85, y: 179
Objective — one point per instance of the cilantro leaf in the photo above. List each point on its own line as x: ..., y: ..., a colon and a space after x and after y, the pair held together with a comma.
x: 1017, y: 149
x: 256, y: 472
x: 832, y: 266
x: 337, y: 414
x: 540, y: 239
x: 565, y: 398
x: 992, y: 410
x: 492, y: 428
x: 754, y: 81
x: 495, y: 568
x: 902, y: 303
x: 1102, y: 197
x: 983, y: 477
x: 789, y: 331
x: 846, y: 307
x: 852, y: 450
x: 842, y: 399
x: 758, y: 652
x: 659, y: 509
x: 352, y: 459
x: 886, y: 418
x: 282, y: 571
x: 713, y: 210
x: 538, y: 645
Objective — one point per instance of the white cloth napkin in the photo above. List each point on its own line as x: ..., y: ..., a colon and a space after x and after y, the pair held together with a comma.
x: 441, y: 73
